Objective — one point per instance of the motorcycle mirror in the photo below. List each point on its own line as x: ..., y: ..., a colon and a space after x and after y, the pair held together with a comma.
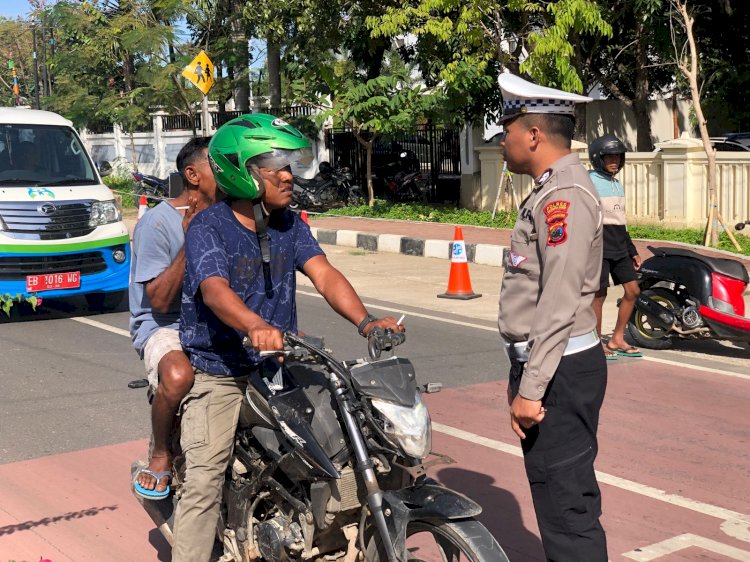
x: 739, y: 226
x: 104, y: 167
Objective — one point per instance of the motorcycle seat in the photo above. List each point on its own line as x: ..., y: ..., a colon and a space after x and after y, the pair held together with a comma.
x: 729, y: 267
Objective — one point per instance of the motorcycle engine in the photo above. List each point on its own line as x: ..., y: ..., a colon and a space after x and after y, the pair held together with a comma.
x: 279, y: 539
x: 691, y: 318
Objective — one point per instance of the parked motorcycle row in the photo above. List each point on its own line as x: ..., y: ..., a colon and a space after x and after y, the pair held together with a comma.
x: 330, y: 462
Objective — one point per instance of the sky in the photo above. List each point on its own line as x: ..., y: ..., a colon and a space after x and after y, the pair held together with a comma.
x: 14, y: 8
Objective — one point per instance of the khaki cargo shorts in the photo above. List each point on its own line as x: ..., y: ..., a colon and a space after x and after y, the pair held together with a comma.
x: 161, y: 342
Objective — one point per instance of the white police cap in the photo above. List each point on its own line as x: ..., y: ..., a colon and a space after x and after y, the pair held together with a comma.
x: 521, y: 96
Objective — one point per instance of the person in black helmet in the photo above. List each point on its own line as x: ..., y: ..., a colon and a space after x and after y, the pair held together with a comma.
x: 621, y: 259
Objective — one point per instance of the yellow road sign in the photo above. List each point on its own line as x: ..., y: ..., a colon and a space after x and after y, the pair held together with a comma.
x: 200, y: 72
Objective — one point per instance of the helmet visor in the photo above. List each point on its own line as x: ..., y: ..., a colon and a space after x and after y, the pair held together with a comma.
x: 279, y: 158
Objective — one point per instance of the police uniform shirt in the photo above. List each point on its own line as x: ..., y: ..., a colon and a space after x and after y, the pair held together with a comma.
x: 552, y: 271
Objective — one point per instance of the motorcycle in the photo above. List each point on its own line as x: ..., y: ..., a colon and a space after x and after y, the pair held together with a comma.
x: 331, y: 187
x: 330, y: 463
x: 399, y: 179
x: 685, y: 295
x: 156, y: 189
x: 407, y: 187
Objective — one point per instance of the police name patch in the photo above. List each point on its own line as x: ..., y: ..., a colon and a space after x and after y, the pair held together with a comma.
x: 556, y: 213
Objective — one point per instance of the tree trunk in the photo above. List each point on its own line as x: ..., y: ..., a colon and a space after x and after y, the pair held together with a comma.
x: 690, y: 71
x: 640, y: 103
x: 368, y: 152
x: 370, y: 189
x: 240, y: 70
x: 273, y: 48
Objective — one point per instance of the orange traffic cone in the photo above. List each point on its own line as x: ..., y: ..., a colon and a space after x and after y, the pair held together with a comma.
x: 459, y: 284
x: 303, y: 216
x: 142, y: 206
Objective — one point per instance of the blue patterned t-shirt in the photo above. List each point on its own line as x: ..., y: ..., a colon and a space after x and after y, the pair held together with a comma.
x: 217, y: 245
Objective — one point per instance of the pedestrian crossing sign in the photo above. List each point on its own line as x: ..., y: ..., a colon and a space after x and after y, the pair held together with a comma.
x: 200, y: 72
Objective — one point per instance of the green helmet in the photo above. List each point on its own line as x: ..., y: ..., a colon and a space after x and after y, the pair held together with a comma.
x: 254, y: 139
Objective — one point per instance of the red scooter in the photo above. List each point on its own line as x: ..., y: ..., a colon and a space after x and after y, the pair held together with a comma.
x: 688, y: 295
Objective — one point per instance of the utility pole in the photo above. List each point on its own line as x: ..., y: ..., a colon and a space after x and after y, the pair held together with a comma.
x: 45, y: 89
x: 16, y: 87
x: 36, y: 68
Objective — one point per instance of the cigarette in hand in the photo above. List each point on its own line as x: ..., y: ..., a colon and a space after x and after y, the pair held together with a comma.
x: 400, y: 319
x: 183, y: 208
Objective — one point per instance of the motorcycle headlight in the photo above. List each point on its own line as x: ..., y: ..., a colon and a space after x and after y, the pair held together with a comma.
x: 410, y: 427
x: 104, y: 212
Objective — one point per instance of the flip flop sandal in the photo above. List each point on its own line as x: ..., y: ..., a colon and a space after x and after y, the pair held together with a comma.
x: 610, y: 355
x: 152, y: 494
x: 629, y: 352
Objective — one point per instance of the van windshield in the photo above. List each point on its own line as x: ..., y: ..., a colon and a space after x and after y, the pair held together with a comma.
x: 43, y: 155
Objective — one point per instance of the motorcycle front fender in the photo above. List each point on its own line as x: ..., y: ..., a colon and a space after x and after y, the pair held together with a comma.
x: 428, y: 502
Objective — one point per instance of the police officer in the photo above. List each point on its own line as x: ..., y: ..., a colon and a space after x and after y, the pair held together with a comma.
x: 558, y: 371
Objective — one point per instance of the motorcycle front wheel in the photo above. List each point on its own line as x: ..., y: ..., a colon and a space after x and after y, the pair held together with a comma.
x: 466, y: 540
x: 640, y: 328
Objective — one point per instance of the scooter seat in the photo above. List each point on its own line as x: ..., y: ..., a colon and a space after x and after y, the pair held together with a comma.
x: 729, y: 267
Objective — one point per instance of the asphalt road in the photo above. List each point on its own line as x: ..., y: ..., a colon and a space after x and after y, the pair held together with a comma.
x: 673, y: 442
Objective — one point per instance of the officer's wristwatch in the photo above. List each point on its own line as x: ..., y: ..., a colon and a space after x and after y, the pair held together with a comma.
x: 365, y: 322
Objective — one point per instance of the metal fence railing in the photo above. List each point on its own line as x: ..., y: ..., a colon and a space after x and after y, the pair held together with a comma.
x: 181, y: 122
x: 218, y: 119
x: 432, y: 149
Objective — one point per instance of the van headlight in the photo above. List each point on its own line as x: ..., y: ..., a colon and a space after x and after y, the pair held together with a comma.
x: 104, y: 212
x: 410, y: 427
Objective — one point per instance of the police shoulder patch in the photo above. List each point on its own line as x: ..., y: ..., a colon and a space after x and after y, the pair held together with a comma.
x: 556, y: 213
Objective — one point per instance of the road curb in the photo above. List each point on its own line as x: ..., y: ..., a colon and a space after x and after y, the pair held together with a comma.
x: 483, y: 254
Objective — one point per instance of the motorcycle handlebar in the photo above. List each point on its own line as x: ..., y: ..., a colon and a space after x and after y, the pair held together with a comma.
x: 378, y: 340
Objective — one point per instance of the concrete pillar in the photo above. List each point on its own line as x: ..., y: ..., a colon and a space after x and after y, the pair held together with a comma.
x: 470, y: 138
x: 491, y: 178
x: 160, y: 160
x: 683, y: 185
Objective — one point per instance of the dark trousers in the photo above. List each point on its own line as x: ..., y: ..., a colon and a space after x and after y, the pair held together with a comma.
x: 559, y: 457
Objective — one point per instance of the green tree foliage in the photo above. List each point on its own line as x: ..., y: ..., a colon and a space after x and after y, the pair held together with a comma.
x: 462, y: 46
x: 16, y: 45
x: 115, y: 62
x: 722, y: 34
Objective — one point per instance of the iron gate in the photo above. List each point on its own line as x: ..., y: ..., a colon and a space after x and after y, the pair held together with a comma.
x: 434, y: 149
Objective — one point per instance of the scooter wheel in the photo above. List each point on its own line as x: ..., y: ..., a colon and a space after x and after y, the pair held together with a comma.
x: 640, y: 329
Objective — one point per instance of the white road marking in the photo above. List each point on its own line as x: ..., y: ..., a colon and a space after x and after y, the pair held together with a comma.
x: 494, y: 329
x: 689, y: 366
x: 102, y: 326
x: 603, y: 477
x: 681, y: 542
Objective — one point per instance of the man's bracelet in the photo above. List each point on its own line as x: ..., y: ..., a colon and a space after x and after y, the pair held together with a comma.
x: 362, y: 325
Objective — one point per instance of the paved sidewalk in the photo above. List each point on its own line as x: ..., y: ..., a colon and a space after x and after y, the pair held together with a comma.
x: 484, y: 245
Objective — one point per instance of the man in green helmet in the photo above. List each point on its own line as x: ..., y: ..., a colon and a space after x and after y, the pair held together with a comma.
x: 241, y: 257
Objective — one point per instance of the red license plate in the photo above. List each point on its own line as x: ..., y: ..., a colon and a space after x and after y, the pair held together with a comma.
x: 51, y: 281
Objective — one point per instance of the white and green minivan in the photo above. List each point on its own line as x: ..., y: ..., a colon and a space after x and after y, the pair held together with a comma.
x: 61, y: 231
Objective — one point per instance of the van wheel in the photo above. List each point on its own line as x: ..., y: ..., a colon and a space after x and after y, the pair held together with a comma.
x: 107, y: 302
